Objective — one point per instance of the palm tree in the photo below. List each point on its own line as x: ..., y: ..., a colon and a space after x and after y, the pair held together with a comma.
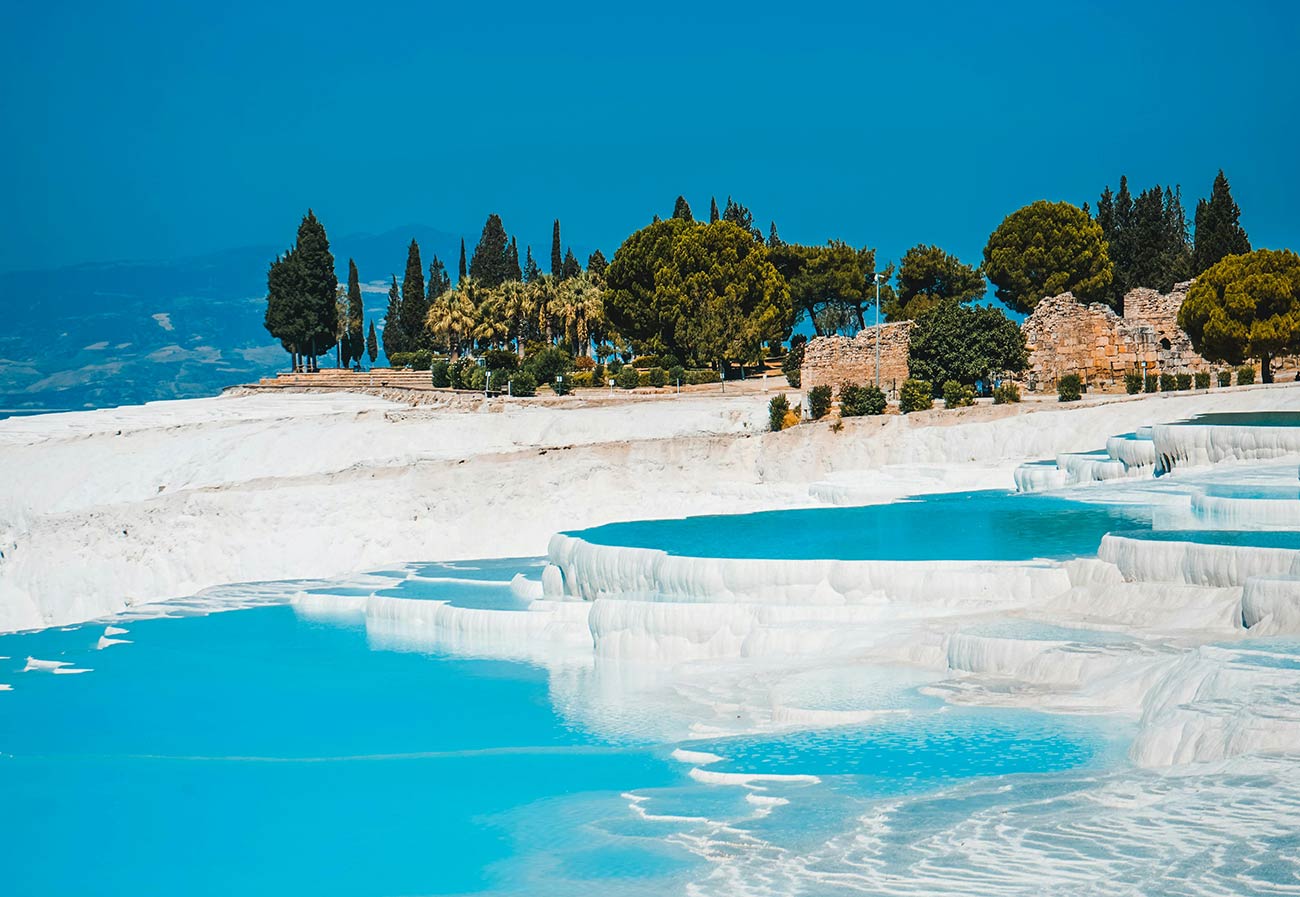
x: 517, y: 311
x: 542, y: 293
x: 452, y: 317
x: 491, y: 327
x: 581, y: 307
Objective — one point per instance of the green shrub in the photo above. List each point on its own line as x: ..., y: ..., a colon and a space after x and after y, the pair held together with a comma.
x: 777, y: 409
x: 1168, y: 382
x: 476, y: 379
x: 1245, y: 375
x: 498, y: 379
x: 578, y: 379
x: 676, y: 375
x: 1184, y: 382
x: 955, y: 395
x: 615, y: 365
x: 695, y: 378
x: 548, y: 364
x: 791, y: 364
x: 441, y: 373
x: 657, y: 377
x: 1225, y: 378
x: 1152, y: 383
x: 819, y: 401
x: 598, y: 375
x: 561, y: 384
x: 1202, y: 379
x: 522, y: 383
x: 399, y: 360
x: 627, y: 378
x: 501, y: 360
x: 859, y: 401
x: 1069, y: 388
x: 421, y: 360
x: 1006, y: 394
x: 915, y: 395
x: 645, y: 361
x: 1132, y: 383
x: 461, y: 372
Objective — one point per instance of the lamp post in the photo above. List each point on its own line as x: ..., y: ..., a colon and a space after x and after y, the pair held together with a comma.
x: 877, y: 279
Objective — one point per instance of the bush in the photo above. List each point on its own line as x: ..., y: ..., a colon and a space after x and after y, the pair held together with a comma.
x: 522, y: 383
x: 915, y: 395
x: 859, y: 401
x: 1202, y: 379
x: 578, y: 379
x: 657, y: 377
x: 1152, y: 383
x: 791, y: 364
x: 627, y: 378
x: 562, y: 384
x: 421, y: 360
x: 459, y: 374
x: 399, y: 360
x: 1225, y: 378
x: 1006, y: 394
x: 777, y: 409
x: 583, y: 363
x: 1069, y: 388
x: 1245, y: 375
x: 615, y: 365
x: 441, y: 373
x: 955, y: 395
x: 501, y: 360
x: 1184, y: 382
x: 676, y: 375
x: 476, y: 379
x: 1168, y: 382
x: 598, y: 375
x: 819, y: 401
x: 645, y: 361
x: 1132, y: 383
x: 497, y: 380
x: 548, y: 364
x: 695, y: 378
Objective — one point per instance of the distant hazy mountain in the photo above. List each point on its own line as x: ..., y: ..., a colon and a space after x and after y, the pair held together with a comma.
x: 91, y: 336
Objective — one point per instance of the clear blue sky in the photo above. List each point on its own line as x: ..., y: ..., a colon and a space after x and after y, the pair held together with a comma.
x: 154, y: 130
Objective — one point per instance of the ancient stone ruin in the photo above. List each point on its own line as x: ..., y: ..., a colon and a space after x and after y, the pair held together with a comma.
x: 835, y: 360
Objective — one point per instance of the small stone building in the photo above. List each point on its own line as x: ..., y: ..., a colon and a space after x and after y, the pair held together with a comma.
x: 835, y: 360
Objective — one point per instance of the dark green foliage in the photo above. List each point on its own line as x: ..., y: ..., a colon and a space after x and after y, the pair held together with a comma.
x: 1006, y: 394
x: 441, y: 373
x: 548, y: 364
x: 676, y: 375
x: 1168, y: 383
x: 490, y: 264
x: 531, y: 271
x: 713, y: 210
x: 398, y: 360
x: 657, y: 377
x: 597, y: 264
x: 500, y: 360
x: 1202, y: 379
x: 302, y: 296
x: 957, y: 395
x: 1133, y: 383
x: 773, y: 238
x: 928, y: 277
x: 557, y: 256
x: 394, y: 332
x: 819, y: 401
x: 461, y: 373
x: 859, y: 401
x: 697, y: 378
x: 498, y: 380
x: 439, y: 281
x: 965, y: 343
x: 915, y: 395
x: 598, y: 375
x: 1152, y: 383
x: 1225, y: 377
x: 833, y: 286
x: 682, y: 209
x: 372, y: 343
x: 1184, y: 382
x: 1218, y: 227
x: 777, y: 409
x: 523, y: 383
x: 1246, y: 306
x: 1044, y: 249
x: 415, y: 305
x: 1245, y: 375
x: 627, y: 377
x: 1069, y: 388
x: 462, y: 272
x: 791, y: 365
x: 1146, y: 239
x: 353, y: 344
x: 421, y: 360
x: 569, y: 267
x: 741, y: 217
x: 513, y: 271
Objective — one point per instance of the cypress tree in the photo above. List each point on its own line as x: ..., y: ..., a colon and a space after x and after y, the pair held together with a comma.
x: 531, y: 271
x: 570, y: 267
x: 557, y: 260
x: 489, y: 264
x: 773, y: 238
x: 354, y: 339
x: 394, y: 332
x: 1218, y: 227
x: 513, y: 271
x: 372, y: 344
x: 285, y: 306
x: 713, y: 209
x: 414, y: 307
x: 439, y: 281
x: 682, y: 209
x: 320, y: 288
x: 596, y: 263
x: 461, y: 274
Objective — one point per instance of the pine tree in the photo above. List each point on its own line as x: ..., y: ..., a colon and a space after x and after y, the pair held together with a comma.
x: 596, y: 263
x: 354, y: 339
x: 1218, y: 227
x: 439, y: 281
x: 713, y: 209
x: 741, y: 217
x: 531, y: 271
x: 414, y: 307
x: 557, y: 260
x: 372, y: 344
x: 682, y: 209
x: 773, y: 238
x: 488, y: 265
x: 513, y: 271
x: 570, y: 266
x: 394, y: 332
x: 462, y: 273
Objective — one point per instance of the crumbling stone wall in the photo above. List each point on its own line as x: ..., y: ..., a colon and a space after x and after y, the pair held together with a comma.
x: 835, y: 360
x: 1159, y: 311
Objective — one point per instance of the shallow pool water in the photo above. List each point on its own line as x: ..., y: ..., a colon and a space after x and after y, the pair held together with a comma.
x: 1245, y: 419
x: 1259, y: 538
x: 990, y: 525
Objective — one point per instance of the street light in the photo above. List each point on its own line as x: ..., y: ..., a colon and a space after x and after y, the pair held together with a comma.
x: 877, y: 278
